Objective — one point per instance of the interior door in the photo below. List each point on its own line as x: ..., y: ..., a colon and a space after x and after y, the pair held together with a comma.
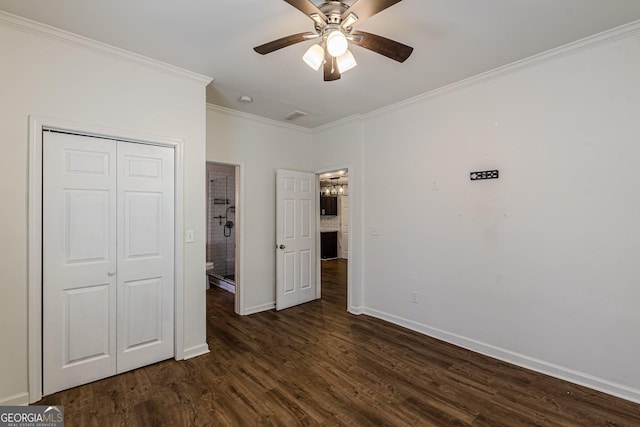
x: 145, y: 255
x: 79, y: 260
x: 108, y: 261
x: 295, y: 238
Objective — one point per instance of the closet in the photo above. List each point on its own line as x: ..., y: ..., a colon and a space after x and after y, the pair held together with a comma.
x: 108, y: 257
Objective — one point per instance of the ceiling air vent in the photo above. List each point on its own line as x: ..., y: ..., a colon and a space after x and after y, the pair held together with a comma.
x: 295, y: 115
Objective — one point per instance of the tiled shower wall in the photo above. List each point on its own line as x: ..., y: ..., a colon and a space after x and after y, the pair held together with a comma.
x: 220, y: 198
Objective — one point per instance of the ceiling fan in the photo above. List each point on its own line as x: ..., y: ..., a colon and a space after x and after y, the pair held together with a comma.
x: 334, y: 26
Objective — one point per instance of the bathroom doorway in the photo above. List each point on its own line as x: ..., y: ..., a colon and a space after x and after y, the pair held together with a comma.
x: 222, y: 197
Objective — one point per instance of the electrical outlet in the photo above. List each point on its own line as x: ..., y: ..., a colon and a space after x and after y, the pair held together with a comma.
x: 374, y: 230
x: 414, y: 297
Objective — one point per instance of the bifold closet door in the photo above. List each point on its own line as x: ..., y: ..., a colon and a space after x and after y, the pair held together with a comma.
x: 108, y: 257
x: 145, y: 255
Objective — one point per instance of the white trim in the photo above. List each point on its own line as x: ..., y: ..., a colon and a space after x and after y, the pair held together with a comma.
x: 605, y: 37
x: 258, y: 119
x: 239, y: 290
x: 195, y: 351
x: 34, y: 271
x: 34, y: 262
x: 336, y: 123
x: 20, y: 399
x: 356, y: 310
x: 318, y: 244
x: 178, y: 329
x: 259, y: 308
x: 46, y: 31
x: 360, y: 186
x: 521, y: 360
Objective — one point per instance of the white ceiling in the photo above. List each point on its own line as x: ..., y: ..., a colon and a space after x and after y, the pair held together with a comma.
x: 453, y: 39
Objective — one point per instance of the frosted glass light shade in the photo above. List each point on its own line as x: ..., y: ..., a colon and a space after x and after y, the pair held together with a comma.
x: 314, y: 56
x: 337, y: 43
x: 346, y: 62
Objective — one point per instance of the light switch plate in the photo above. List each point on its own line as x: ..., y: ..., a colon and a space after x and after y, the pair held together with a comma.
x: 189, y: 236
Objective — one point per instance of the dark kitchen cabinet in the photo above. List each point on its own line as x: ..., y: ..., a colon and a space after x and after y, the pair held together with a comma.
x: 328, y: 205
x: 329, y: 244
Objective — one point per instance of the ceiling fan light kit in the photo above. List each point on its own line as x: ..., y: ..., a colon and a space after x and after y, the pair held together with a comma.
x: 337, y: 43
x: 314, y: 57
x: 346, y: 62
x: 334, y: 23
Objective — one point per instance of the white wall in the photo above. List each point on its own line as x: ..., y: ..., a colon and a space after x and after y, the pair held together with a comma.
x: 44, y: 75
x: 335, y: 147
x: 539, y: 267
x: 260, y: 147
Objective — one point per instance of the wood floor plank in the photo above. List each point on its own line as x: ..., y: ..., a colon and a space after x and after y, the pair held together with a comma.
x: 316, y: 364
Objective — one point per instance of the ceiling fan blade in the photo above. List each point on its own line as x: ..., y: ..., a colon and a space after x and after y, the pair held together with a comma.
x: 367, y: 8
x: 306, y: 7
x: 331, y: 72
x: 384, y: 46
x: 283, y: 42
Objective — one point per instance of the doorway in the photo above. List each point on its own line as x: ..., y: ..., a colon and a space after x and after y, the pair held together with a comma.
x: 334, y: 233
x: 222, y: 225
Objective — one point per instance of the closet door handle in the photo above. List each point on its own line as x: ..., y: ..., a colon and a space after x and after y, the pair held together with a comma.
x: 111, y: 272
x: 282, y: 246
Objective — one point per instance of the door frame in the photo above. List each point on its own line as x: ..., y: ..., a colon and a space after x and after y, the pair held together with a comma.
x: 37, y: 124
x: 349, y: 169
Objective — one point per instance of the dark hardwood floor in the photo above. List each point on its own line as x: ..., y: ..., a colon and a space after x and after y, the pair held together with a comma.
x: 316, y: 364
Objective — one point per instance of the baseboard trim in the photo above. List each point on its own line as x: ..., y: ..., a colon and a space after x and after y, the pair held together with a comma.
x: 356, y: 310
x: 20, y: 399
x: 521, y: 360
x: 198, y: 350
x: 259, y: 308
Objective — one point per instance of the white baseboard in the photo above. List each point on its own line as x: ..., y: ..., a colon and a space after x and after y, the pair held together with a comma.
x: 20, y: 399
x: 198, y: 350
x: 521, y: 360
x: 356, y: 310
x: 259, y: 308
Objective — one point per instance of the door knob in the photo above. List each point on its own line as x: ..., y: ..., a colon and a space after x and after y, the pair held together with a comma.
x: 282, y: 246
x: 111, y: 272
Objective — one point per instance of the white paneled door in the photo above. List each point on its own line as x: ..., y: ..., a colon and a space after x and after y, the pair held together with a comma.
x: 295, y: 238
x: 145, y: 255
x: 108, y: 257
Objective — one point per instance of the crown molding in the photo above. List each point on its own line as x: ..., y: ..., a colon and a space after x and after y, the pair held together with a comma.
x: 46, y: 31
x: 337, y: 123
x: 606, y: 37
x: 259, y: 119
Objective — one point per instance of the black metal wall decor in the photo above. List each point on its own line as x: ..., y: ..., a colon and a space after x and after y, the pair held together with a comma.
x: 476, y: 176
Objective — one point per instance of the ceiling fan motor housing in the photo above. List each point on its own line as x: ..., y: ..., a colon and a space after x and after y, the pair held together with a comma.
x: 333, y: 11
